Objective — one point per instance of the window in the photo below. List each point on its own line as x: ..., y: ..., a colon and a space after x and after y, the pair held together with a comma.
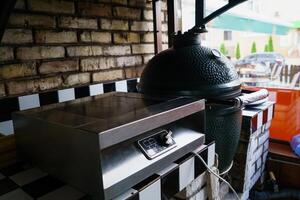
x: 203, y: 37
x: 227, y: 35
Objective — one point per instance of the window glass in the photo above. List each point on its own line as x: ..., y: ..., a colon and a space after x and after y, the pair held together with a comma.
x: 227, y: 35
x: 262, y: 38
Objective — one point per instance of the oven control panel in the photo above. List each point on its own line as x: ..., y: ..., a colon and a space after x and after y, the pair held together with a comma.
x: 157, y: 144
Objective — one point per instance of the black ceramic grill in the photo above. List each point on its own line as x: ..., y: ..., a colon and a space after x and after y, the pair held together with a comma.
x: 189, y: 69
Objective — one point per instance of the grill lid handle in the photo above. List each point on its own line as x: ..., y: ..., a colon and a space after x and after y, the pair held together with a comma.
x: 248, y: 99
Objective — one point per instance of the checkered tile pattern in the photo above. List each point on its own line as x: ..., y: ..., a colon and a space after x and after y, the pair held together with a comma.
x: 166, y: 183
x: 250, y: 159
x: 24, y: 182
x: 259, y: 115
x: 9, y: 105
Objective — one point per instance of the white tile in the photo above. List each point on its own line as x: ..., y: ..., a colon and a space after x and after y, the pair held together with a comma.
x: 268, y: 125
x: 27, y: 176
x: 186, y: 173
x: 255, y: 178
x: 17, y: 194
x: 200, y: 149
x: 259, y: 119
x: 266, y: 146
x: 96, y: 89
x: 202, y: 194
x: 248, y: 113
x: 252, y: 146
x: 224, y: 190
x: 231, y: 196
x: 29, y: 101
x: 270, y: 113
x: 265, y: 155
x: 211, y: 155
x: 2, y: 176
x: 251, y: 170
x: 126, y: 194
x: 7, y: 127
x: 66, y: 95
x: 244, y: 195
x: 121, y: 86
x: 258, y: 153
x: 264, y: 137
x: 258, y: 163
x: 261, y: 139
x: 256, y: 133
x: 64, y: 193
x: 151, y: 192
x: 196, y: 184
x: 167, y: 169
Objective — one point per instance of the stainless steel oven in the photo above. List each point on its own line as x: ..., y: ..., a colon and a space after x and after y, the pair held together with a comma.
x: 106, y: 144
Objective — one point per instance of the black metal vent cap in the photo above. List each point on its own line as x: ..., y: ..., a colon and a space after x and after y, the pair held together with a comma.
x: 190, y: 69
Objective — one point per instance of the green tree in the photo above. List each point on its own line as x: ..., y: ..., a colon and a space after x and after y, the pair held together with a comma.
x: 253, y: 47
x: 238, y: 51
x: 223, y: 49
x: 270, y: 44
x: 266, y: 48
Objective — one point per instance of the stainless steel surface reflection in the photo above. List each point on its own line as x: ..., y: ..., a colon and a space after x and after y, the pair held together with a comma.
x: 91, y: 143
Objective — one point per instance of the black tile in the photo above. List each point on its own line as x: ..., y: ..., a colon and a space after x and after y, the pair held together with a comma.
x: 204, y: 153
x: 184, y: 158
x: 86, y: 197
x: 265, y: 116
x: 146, y: 182
x: 48, y: 98
x: 246, y: 124
x: 131, y: 85
x: 134, y: 197
x: 42, y: 186
x: 7, y: 106
x: 199, y: 166
x: 82, y: 92
x: 170, y: 184
x: 254, y: 124
x: 109, y: 87
x: 7, y: 185
x: 248, y: 108
x: 14, y: 169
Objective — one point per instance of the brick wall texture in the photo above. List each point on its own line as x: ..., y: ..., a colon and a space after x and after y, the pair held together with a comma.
x: 54, y: 44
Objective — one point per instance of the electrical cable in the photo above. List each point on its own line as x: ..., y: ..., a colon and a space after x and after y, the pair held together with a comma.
x: 212, y: 172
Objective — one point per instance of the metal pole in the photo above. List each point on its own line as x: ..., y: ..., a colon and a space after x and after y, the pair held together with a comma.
x: 200, y: 12
x: 157, y: 26
x: 172, y: 25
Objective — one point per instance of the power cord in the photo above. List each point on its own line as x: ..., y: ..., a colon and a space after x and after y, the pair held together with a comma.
x: 212, y: 172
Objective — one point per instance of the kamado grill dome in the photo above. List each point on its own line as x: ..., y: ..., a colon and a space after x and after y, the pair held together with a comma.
x: 190, y: 69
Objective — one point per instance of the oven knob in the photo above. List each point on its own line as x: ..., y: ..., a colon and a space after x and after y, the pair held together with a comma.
x: 167, y: 138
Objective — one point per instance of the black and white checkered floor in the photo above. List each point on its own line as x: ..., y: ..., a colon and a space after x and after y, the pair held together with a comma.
x: 24, y: 182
